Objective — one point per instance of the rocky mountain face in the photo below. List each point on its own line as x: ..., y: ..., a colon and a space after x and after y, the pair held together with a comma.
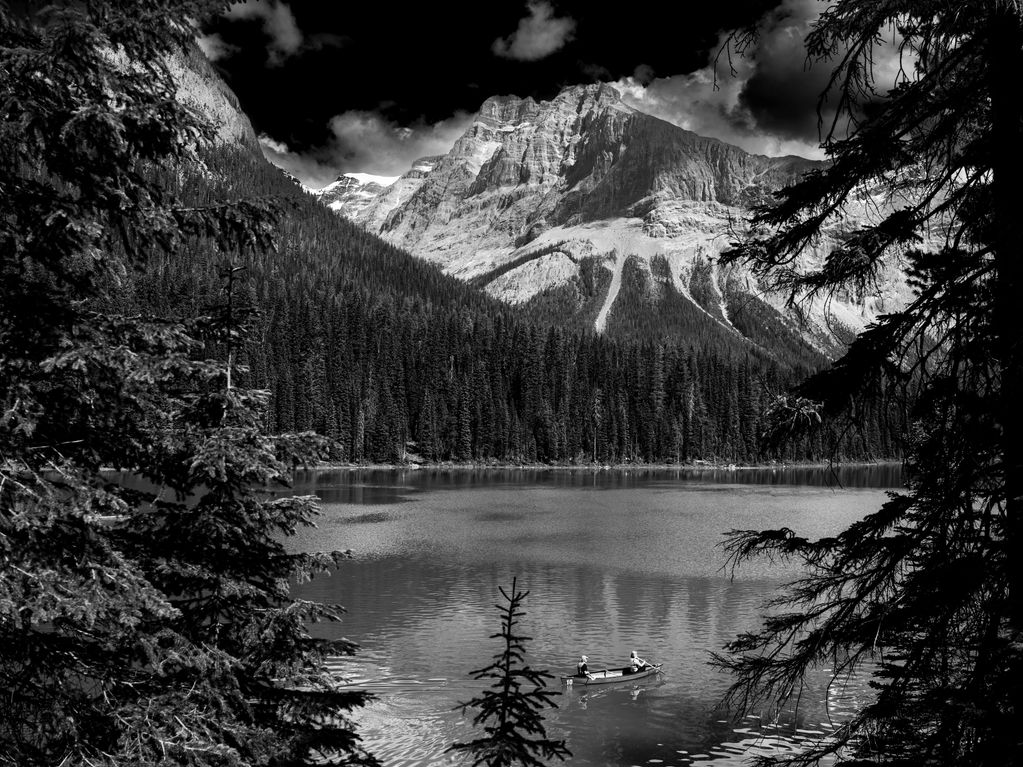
x: 569, y: 200
x: 200, y: 87
x: 352, y: 193
x: 394, y: 196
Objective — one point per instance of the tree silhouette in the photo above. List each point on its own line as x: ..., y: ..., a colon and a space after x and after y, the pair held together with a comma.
x: 512, y: 714
x: 929, y: 589
x: 145, y: 613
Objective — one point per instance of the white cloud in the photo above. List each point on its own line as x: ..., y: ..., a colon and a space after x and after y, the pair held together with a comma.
x: 277, y: 147
x: 713, y: 101
x: 278, y: 23
x: 692, y: 102
x: 305, y: 168
x: 372, y: 144
x: 769, y: 105
x: 538, y: 35
x: 215, y: 47
x: 366, y: 142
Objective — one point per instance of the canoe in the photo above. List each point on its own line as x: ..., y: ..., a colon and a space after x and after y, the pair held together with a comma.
x: 611, y: 675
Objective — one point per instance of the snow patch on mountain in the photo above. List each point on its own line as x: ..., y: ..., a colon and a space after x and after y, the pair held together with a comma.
x: 369, y: 178
x: 352, y: 193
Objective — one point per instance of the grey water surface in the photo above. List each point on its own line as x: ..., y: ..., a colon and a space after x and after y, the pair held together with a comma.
x: 613, y: 560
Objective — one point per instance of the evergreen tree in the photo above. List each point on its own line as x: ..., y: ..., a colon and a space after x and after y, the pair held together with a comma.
x: 930, y: 587
x: 511, y: 716
x: 145, y: 616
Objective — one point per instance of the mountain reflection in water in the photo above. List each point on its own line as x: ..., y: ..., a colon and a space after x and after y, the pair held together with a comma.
x: 614, y: 560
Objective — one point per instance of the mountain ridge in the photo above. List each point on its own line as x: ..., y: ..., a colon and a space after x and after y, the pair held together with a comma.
x: 532, y: 190
x: 387, y: 356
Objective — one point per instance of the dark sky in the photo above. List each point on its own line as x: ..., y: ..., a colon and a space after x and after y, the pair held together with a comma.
x: 369, y: 86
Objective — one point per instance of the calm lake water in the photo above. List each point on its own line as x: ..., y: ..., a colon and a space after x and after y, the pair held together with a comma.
x: 613, y: 560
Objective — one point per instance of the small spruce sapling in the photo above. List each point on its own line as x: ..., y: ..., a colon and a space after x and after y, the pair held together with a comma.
x: 512, y: 717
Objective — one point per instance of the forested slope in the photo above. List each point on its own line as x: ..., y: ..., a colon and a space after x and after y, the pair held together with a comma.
x: 385, y: 354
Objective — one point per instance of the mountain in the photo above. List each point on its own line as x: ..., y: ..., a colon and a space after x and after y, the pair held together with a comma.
x: 585, y: 207
x: 393, y: 359
x: 393, y: 196
x: 352, y: 193
x: 200, y: 87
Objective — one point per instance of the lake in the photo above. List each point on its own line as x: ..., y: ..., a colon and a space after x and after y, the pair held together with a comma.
x: 613, y: 560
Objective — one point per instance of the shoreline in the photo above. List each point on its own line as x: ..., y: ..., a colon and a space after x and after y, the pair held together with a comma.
x: 592, y: 467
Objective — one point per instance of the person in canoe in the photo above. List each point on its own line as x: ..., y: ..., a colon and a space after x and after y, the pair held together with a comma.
x: 581, y: 668
x: 635, y: 663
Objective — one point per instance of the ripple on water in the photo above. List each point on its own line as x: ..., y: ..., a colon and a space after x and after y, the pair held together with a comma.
x: 363, y: 519
x: 422, y: 587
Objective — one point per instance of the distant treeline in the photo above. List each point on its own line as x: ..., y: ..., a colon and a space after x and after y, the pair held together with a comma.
x: 382, y: 352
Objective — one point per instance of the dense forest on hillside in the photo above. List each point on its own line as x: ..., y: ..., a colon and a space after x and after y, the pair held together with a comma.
x: 386, y: 355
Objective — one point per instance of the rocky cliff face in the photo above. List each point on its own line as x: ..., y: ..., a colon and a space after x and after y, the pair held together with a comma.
x: 523, y: 169
x: 201, y: 88
x: 533, y: 190
x: 393, y: 196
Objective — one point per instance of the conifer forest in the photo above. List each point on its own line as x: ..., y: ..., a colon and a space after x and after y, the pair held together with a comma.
x: 388, y: 357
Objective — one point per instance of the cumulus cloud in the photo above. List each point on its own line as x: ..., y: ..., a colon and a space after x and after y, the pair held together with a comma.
x: 539, y: 34
x: 770, y: 104
x: 215, y: 47
x: 369, y: 143
x: 312, y: 168
x: 273, y: 145
x: 366, y: 142
x: 279, y: 25
x: 306, y: 167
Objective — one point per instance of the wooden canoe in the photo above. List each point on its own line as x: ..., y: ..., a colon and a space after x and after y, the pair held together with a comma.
x: 611, y: 675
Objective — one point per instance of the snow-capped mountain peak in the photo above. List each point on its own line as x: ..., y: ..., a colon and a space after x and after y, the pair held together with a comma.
x: 352, y: 193
x: 368, y: 178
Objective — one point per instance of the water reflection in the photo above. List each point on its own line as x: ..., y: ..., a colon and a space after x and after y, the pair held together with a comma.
x: 363, y: 519
x: 385, y: 486
x: 613, y: 564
